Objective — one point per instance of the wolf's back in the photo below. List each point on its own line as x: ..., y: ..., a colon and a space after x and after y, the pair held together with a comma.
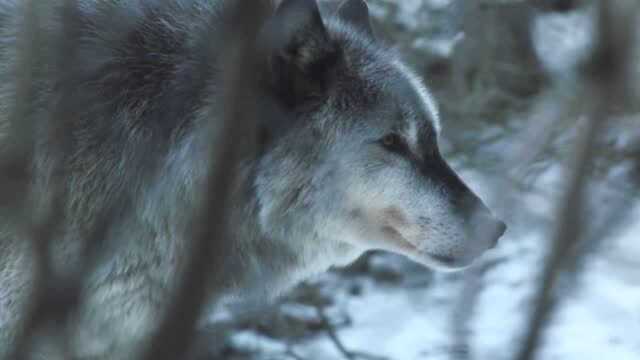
x: 135, y: 90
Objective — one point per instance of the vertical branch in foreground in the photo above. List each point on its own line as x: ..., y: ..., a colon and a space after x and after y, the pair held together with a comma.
x: 50, y: 299
x: 18, y: 140
x: 18, y: 164
x: 546, y: 111
x: 173, y: 337
x: 568, y: 230
x: 462, y: 313
x: 617, y: 90
x: 19, y: 146
x: 603, y: 75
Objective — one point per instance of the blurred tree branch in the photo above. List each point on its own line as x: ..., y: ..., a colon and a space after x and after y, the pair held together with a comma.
x: 174, y: 335
x: 605, y: 78
x: 53, y: 297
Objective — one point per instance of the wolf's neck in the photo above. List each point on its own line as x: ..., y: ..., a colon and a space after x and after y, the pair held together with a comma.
x: 260, y: 264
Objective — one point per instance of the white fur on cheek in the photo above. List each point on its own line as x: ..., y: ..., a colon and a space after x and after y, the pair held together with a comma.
x: 412, y: 137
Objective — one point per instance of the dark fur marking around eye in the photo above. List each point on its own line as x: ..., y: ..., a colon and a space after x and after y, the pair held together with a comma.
x: 394, y: 143
x: 428, y: 140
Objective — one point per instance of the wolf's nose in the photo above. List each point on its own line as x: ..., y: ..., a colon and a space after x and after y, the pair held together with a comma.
x: 500, y: 228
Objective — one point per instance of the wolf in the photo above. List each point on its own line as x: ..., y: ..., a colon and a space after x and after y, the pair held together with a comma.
x: 349, y: 163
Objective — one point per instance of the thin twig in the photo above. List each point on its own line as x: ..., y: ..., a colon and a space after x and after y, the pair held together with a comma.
x: 332, y: 334
x: 291, y: 353
x: 335, y: 339
x: 464, y: 309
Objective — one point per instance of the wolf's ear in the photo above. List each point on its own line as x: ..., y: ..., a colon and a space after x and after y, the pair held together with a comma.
x: 356, y: 13
x: 299, y: 51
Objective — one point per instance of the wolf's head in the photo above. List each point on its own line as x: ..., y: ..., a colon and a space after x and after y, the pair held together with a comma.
x: 353, y: 162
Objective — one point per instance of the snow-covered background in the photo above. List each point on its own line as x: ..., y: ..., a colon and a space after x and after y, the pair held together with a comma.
x: 493, y: 68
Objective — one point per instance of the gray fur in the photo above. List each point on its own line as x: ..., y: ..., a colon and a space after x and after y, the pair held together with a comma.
x: 323, y: 190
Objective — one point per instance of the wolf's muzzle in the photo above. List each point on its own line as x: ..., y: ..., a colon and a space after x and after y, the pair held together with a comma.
x: 490, y: 228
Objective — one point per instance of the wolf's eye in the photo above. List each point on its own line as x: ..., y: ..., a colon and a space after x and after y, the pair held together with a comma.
x: 393, y: 142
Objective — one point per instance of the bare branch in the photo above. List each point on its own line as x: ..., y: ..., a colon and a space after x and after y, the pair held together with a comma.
x: 47, y: 296
x: 174, y: 334
x: 608, y: 66
x: 335, y: 339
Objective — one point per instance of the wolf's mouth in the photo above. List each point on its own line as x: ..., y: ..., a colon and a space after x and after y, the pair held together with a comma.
x: 448, y: 262
x: 407, y: 248
x: 443, y: 259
